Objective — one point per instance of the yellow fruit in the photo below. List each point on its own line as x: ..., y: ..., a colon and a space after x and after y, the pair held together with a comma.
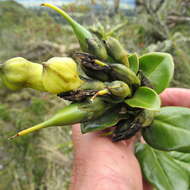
x: 15, y: 69
x: 60, y: 75
x: 17, y: 73
x: 35, y: 72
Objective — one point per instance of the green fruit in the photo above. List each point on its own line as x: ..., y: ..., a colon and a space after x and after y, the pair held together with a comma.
x: 73, y: 113
x: 116, y: 51
x: 88, y: 41
x: 123, y: 73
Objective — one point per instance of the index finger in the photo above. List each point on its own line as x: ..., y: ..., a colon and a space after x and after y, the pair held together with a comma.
x: 176, y: 97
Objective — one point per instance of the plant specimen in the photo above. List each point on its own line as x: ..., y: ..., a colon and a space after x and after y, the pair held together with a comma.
x: 110, y: 88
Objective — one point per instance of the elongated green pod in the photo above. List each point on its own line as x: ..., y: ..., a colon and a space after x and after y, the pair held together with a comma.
x: 97, y: 48
x: 116, y: 50
x: 88, y: 41
x: 125, y: 74
x: 81, y: 33
x: 73, y: 113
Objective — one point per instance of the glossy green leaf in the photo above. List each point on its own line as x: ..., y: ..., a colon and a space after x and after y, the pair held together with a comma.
x: 184, y: 165
x: 134, y: 62
x: 184, y: 157
x: 145, y: 98
x: 170, y: 130
x: 160, y: 170
x: 108, y: 119
x: 158, y: 68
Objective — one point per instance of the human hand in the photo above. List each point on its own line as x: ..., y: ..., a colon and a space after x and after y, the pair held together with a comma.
x: 100, y: 164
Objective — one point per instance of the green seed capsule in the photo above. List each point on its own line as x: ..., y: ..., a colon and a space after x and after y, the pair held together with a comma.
x: 73, y: 113
x: 97, y: 48
x: 116, y: 50
x: 88, y: 41
x: 81, y: 33
x: 115, y: 92
x: 125, y: 74
x: 146, y: 117
x: 119, y: 89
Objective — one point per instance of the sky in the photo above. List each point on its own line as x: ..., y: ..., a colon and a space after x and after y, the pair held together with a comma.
x: 60, y: 2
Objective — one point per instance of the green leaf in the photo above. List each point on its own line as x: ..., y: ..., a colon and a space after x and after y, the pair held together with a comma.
x: 185, y: 157
x: 170, y: 130
x: 108, y: 119
x: 184, y: 165
x: 134, y: 62
x: 182, y: 159
x: 160, y: 169
x: 158, y: 68
x: 145, y: 98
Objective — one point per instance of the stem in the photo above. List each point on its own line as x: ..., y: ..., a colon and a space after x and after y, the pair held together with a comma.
x: 100, y: 63
x: 100, y: 93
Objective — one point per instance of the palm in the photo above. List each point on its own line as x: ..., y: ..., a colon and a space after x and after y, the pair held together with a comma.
x: 101, y: 164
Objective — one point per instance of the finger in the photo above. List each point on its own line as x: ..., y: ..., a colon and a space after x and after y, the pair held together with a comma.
x: 176, y: 97
x: 82, y: 142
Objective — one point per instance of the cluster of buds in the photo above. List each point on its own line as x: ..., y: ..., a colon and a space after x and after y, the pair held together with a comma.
x: 108, y: 87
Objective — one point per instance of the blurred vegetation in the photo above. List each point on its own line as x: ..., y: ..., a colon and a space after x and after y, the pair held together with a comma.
x: 42, y: 161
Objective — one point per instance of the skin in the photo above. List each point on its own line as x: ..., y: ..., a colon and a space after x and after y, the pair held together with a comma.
x: 100, y: 164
